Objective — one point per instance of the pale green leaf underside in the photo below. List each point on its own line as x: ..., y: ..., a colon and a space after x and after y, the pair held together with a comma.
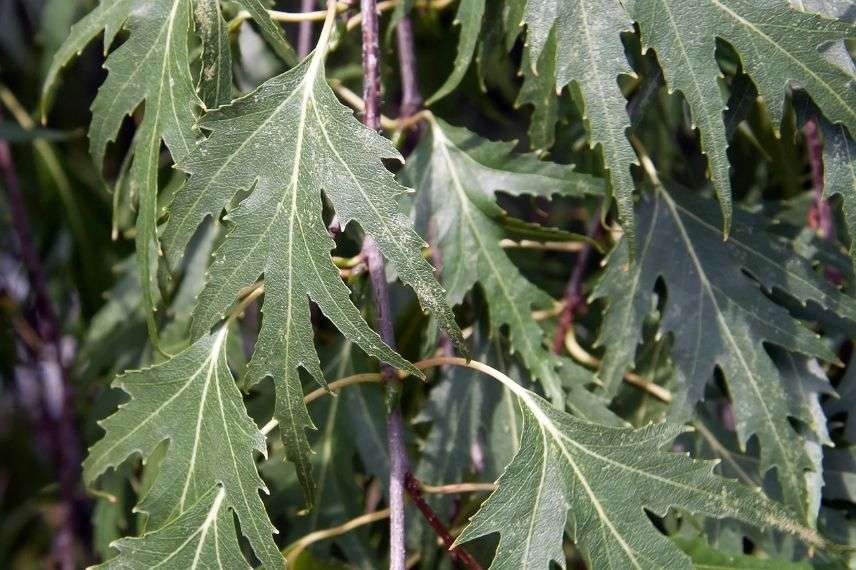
x: 456, y: 175
x: 595, y: 481
x: 203, y: 536
x: 719, y: 318
x: 151, y: 67
x: 215, y: 75
x: 192, y: 403
x: 289, y: 141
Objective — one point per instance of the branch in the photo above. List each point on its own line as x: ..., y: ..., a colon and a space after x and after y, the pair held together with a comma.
x: 459, y: 554
x: 377, y: 273
x: 820, y: 215
x: 304, y: 34
x: 574, y: 290
x: 583, y: 357
x: 295, y: 549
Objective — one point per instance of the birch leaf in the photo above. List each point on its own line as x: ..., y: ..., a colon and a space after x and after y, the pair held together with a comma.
x: 191, y: 401
x: 599, y: 480
x: 288, y: 141
x: 202, y: 537
x: 720, y: 317
x: 456, y: 174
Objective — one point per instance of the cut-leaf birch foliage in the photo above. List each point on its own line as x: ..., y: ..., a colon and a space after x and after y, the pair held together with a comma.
x: 288, y: 141
x: 720, y: 318
x: 778, y: 46
x: 596, y: 481
x: 456, y: 174
x: 151, y: 67
x: 192, y: 403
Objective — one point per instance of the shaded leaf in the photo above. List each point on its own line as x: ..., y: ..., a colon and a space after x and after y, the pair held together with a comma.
x: 720, y: 318
x: 456, y: 175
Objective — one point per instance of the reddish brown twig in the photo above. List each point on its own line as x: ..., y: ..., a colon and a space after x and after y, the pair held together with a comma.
x: 820, y: 215
x: 573, y: 297
x: 304, y: 32
x: 459, y: 554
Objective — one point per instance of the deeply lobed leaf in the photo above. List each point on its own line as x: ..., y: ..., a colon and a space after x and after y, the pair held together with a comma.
x: 288, y: 141
x: 597, y: 481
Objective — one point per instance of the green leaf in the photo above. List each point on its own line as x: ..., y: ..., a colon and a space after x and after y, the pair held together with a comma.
x: 203, y: 536
x: 705, y: 557
x: 270, y: 30
x: 599, y: 479
x: 191, y: 402
x: 538, y: 89
x: 840, y: 470
x: 469, y: 17
x: 151, y: 67
x: 456, y: 175
x: 288, y: 141
x: 215, y: 77
x: 720, y: 318
x: 777, y: 45
x: 846, y: 401
x: 589, y: 52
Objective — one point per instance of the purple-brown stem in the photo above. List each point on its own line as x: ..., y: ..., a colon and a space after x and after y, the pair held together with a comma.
x: 304, y: 32
x: 574, y: 289
x: 459, y: 554
x: 56, y: 393
x: 411, y: 99
x: 394, y: 422
x: 371, y: 64
x: 820, y: 216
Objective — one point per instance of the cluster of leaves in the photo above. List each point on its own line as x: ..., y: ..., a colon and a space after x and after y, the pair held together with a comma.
x: 714, y: 426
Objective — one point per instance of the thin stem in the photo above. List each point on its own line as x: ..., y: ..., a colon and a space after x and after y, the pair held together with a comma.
x: 411, y: 98
x: 583, y: 357
x: 433, y: 362
x: 304, y: 33
x: 566, y: 246
x: 294, y: 550
x: 371, y: 64
x: 377, y: 273
x: 457, y: 488
x: 574, y: 299
x: 414, y: 490
x: 357, y: 19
